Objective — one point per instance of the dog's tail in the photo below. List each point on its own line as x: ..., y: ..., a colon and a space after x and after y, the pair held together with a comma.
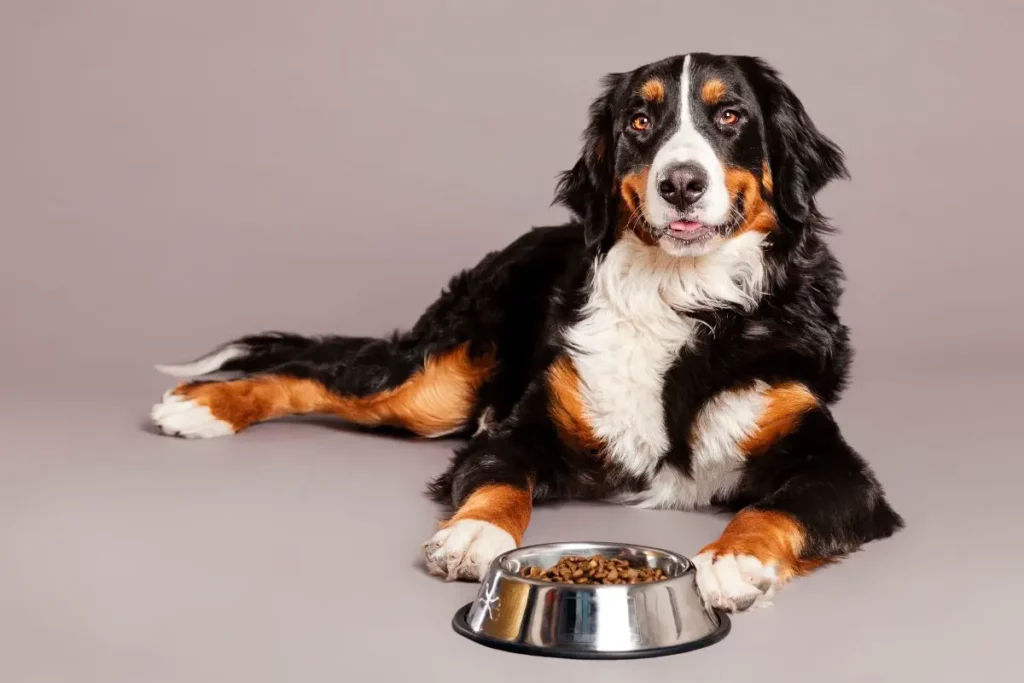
x: 258, y: 353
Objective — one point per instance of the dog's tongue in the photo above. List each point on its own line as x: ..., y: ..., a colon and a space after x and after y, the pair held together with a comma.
x: 685, y: 226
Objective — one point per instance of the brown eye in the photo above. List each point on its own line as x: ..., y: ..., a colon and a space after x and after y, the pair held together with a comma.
x: 641, y: 122
x: 729, y: 117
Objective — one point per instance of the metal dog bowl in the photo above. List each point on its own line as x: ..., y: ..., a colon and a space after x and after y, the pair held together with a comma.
x: 617, y: 621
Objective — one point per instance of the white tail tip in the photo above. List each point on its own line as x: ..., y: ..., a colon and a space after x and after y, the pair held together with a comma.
x: 205, y: 365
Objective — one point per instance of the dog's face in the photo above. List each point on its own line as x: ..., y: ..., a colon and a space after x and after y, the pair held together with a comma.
x: 690, y: 158
x: 689, y: 152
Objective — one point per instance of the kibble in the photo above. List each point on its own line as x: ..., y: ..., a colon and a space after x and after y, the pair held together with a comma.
x: 594, y: 570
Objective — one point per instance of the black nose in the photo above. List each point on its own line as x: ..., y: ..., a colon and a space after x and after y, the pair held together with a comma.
x: 683, y: 184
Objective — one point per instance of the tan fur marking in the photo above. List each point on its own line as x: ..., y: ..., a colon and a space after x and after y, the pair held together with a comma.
x: 634, y: 194
x: 786, y: 405
x: 504, y: 506
x: 766, y: 177
x: 653, y: 90
x: 758, y: 215
x: 634, y: 189
x: 774, y: 538
x: 433, y: 401
x: 566, y: 406
x: 713, y: 91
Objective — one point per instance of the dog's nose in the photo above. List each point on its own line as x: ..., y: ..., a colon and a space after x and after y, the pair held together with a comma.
x: 683, y: 184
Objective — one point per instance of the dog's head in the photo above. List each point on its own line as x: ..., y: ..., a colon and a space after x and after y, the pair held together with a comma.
x: 689, y: 152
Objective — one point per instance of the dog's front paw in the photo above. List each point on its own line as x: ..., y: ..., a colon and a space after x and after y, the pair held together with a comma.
x: 465, y: 549
x: 734, y: 582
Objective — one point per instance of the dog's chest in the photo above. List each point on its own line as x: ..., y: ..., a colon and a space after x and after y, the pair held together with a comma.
x: 627, y: 338
x: 630, y: 333
x: 622, y: 364
x: 622, y: 371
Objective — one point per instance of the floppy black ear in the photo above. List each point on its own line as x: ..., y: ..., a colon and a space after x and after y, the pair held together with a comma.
x: 586, y: 188
x: 801, y: 158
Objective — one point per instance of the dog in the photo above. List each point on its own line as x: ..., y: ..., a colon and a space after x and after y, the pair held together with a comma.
x: 676, y: 344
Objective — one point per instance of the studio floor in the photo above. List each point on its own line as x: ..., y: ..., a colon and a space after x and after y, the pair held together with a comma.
x: 291, y: 552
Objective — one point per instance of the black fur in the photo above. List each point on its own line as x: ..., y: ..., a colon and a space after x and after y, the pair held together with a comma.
x: 519, y: 299
x: 583, y: 188
x: 803, y: 160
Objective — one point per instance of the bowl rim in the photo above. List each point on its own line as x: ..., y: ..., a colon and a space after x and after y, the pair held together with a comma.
x: 505, y: 574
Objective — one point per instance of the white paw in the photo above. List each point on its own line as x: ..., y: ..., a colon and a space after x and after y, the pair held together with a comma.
x: 177, y: 416
x: 735, y: 582
x: 465, y: 549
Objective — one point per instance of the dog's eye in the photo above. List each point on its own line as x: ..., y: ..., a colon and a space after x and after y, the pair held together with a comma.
x: 640, y: 122
x: 728, y: 117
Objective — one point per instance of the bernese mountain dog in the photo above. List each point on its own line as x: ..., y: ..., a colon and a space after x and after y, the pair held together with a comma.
x: 675, y: 345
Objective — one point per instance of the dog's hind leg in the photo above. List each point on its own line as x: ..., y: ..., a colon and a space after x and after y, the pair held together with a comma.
x: 472, y: 349
x: 372, y: 382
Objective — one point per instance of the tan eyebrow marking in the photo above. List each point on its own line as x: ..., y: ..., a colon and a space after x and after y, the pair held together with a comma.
x: 712, y: 91
x: 653, y: 90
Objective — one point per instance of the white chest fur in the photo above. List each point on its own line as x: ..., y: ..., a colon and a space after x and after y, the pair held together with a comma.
x: 633, y: 327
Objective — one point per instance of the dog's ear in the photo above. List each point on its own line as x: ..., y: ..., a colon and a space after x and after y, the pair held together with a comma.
x: 586, y: 188
x: 801, y: 158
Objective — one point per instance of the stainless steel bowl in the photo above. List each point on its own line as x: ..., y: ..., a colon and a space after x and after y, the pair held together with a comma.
x: 590, y: 621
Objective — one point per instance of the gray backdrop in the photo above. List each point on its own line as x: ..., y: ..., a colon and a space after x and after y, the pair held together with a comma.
x: 176, y: 173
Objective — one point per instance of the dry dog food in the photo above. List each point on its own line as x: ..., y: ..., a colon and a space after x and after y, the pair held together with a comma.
x: 594, y: 570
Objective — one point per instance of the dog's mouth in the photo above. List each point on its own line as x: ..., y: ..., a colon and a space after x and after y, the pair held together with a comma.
x: 690, y: 232
x: 686, y: 231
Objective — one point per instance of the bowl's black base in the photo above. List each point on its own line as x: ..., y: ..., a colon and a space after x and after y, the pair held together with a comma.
x: 462, y: 628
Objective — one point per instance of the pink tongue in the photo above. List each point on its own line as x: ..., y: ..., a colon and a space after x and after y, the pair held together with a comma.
x: 685, y: 226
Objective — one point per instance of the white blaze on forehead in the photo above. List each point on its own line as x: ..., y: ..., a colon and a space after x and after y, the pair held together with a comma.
x: 688, y: 144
